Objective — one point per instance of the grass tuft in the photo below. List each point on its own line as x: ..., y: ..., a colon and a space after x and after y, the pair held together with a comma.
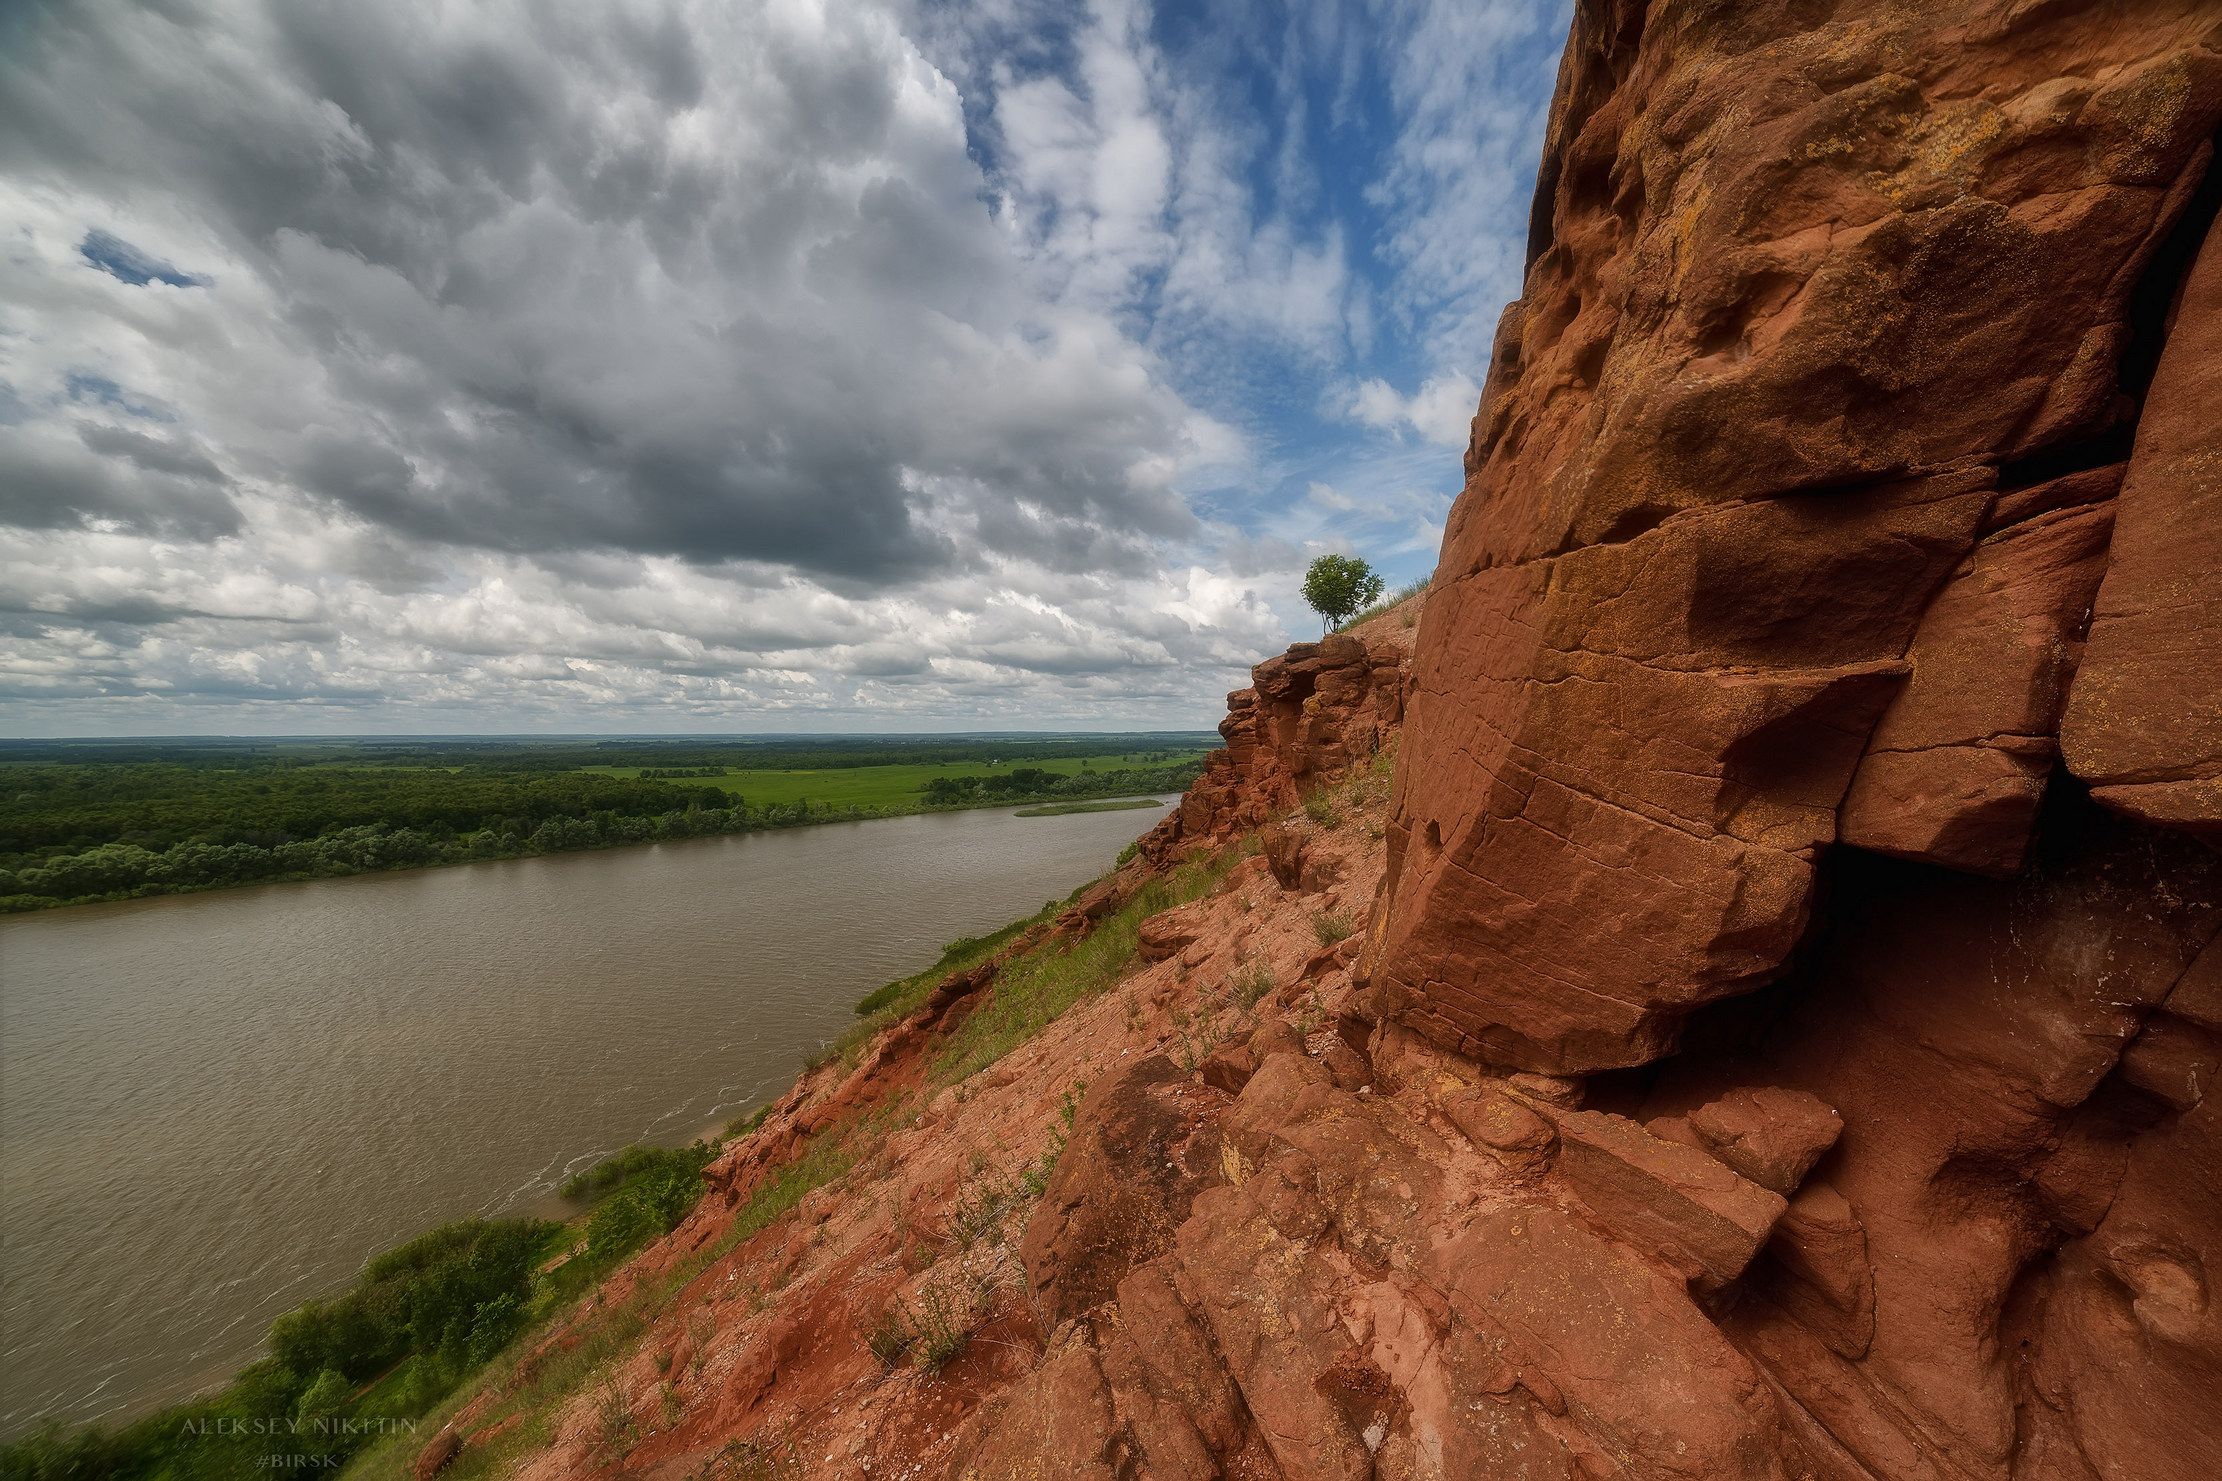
x: 1331, y: 926
x: 941, y: 1329
x: 1389, y: 603
x: 1254, y: 981
x: 1032, y: 991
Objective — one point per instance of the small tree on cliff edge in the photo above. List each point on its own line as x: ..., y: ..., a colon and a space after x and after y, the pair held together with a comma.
x: 1338, y: 585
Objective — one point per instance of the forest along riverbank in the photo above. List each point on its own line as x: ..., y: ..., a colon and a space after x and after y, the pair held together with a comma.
x: 221, y: 1104
x: 84, y: 822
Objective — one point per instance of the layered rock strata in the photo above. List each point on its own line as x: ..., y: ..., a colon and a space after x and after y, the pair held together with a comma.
x: 1800, y: 461
x: 1308, y: 717
x: 1821, y: 691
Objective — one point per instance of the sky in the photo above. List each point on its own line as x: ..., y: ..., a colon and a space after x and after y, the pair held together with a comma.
x: 742, y: 365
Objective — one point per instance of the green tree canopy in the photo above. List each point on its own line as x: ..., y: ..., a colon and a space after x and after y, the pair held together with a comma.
x: 1338, y: 585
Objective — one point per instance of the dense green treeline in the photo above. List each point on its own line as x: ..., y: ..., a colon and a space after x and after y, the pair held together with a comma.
x: 158, y: 805
x: 1032, y: 784
x: 124, y: 870
x: 72, y: 832
x: 418, y: 1321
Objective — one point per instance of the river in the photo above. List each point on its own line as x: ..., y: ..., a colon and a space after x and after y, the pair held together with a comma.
x: 216, y: 1106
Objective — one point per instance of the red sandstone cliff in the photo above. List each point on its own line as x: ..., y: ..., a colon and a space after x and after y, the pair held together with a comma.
x: 1840, y: 527
x: 1306, y: 719
x: 1788, y: 1001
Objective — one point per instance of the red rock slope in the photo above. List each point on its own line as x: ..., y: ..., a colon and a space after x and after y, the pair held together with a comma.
x: 1788, y: 1001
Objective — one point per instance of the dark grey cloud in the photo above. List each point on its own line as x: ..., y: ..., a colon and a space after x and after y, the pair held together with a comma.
x: 156, y: 455
x: 698, y: 362
x: 709, y: 282
x: 149, y: 487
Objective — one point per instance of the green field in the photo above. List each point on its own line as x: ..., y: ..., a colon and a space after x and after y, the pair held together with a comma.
x: 889, y: 786
x: 1109, y: 804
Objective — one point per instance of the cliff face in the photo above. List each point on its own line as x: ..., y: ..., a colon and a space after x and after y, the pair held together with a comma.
x: 1791, y: 487
x: 1833, y: 616
x: 1780, y: 1037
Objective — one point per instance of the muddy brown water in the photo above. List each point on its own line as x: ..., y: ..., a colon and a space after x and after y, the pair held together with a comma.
x: 216, y: 1106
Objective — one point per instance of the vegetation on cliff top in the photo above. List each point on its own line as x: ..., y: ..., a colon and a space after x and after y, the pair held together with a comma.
x: 1337, y: 585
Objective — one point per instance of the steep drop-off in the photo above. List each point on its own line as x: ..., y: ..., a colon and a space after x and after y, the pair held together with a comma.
x: 1778, y: 1038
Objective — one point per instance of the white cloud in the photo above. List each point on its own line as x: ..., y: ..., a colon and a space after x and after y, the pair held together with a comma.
x: 705, y: 364
x: 1441, y: 410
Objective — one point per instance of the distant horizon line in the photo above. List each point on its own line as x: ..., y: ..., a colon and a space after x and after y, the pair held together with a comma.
x: 552, y: 737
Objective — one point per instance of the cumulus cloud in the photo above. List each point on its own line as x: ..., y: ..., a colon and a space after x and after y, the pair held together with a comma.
x: 686, y: 363
x: 549, y: 280
x: 1441, y: 410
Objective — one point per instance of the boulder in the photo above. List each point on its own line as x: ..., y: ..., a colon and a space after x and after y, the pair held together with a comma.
x: 2144, y: 720
x: 1957, y: 765
x: 438, y: 1454
x: 1284, y: 854
x: 1676, y: 1201
x: 1617, y: 1348
x: 1168, y: 933
x: 1106, y: 1210
x: 1504, y: 1126
x: 1770, y: 1135
x: 1820, y: 1252
x: 1229, y: 1067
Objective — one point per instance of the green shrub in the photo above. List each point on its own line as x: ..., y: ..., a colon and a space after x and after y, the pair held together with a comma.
x: 1320, y: 808
x: 493, y: 1327
x: 1331, y: 926
x: 747, y: 1122
x: 619, y: 1226
x: 891, y: 1334
x: 623, y: 1167
x: 321, y: 1402
x: 1254, y: 981
x: 614, y: 1416
x: 410, y: 1298
x: 940, y: 1331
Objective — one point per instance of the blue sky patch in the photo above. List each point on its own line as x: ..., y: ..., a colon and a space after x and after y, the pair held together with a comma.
x: 119, y: 259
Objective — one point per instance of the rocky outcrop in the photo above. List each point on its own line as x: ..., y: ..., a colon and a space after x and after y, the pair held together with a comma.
x: 1308, y: 717
x: 2145, y: 724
